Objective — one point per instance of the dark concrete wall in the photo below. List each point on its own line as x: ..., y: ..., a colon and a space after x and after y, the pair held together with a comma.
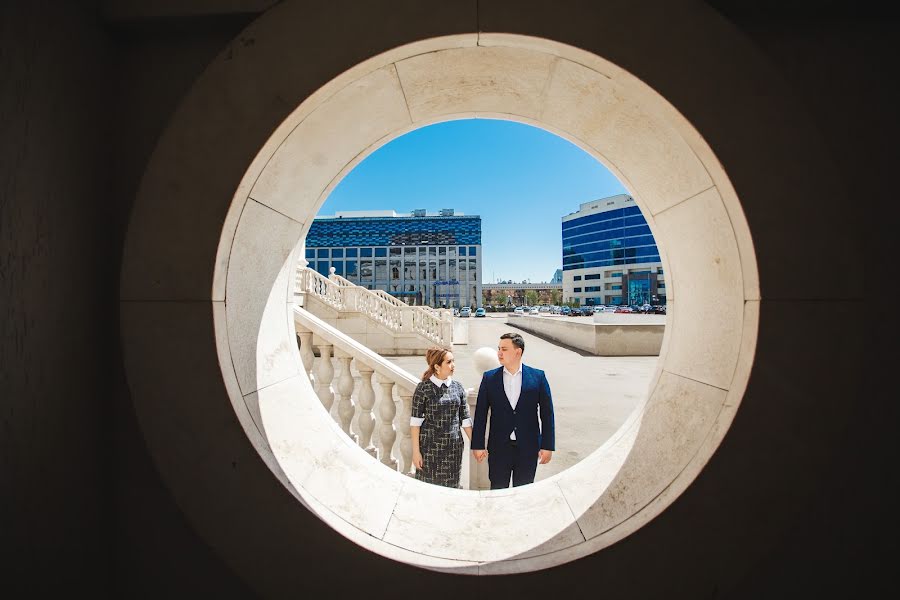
x: 81, y: 505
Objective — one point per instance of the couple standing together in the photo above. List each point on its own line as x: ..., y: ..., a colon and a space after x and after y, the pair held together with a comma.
x: 514, y: 394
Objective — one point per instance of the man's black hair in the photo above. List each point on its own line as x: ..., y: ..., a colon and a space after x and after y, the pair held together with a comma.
x: 517, y: 340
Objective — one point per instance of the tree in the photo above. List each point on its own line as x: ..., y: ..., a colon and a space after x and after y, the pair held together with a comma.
x: 555, y: 297
x: 531, y: 297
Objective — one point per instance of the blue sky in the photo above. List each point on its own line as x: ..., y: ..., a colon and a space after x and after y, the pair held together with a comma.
x: 520, y: 179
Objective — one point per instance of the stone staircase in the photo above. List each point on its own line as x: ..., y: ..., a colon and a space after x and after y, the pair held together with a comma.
x: 374, y: 318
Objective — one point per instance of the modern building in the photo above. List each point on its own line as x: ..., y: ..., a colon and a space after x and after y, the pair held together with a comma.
x: 610, y: 256
x: 557, y: 276
x: 420, y: 257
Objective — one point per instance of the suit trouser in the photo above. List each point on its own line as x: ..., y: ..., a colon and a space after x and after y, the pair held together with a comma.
x: 509, y: 460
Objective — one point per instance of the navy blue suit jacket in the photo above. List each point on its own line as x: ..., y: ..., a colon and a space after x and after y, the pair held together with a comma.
x: 535, y: 398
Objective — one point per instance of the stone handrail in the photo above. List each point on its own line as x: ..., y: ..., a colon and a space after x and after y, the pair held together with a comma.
x: 340, y: 280
x: 376, y: 308
x: 309, y: 281
x: 393, y: 300
x: 374, y: 413
x: 433, y: 324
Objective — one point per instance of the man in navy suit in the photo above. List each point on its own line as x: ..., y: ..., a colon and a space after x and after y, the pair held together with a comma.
x: 515, y: 394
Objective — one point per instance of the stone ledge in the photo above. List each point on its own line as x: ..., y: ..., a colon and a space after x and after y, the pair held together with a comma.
x: 601, y: 339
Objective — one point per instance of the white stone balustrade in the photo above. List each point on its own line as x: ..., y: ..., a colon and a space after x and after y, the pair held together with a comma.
x: 382, y: 423
x: 432, y: 326
x: 373, y: 412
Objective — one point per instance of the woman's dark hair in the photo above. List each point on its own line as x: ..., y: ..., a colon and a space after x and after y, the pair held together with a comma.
x: 517, y: 340
x: 434, y: 357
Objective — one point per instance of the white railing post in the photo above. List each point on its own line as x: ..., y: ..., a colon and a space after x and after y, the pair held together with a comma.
x: 306, y: 352
x: 405, y: 437
x: 366, y: 398
x: 406, y: 320
x: 345, y: 390
x: 386, y: 413
x: 478, y: 472
x: 324, y: 375
x: 351, y: 295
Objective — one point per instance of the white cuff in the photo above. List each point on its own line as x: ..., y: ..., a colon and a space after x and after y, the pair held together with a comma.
x: 466, y: 423
x: 416, y: 421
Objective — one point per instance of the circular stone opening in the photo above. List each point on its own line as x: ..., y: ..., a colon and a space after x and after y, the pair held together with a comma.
x: 529, y: 170
x: 686, y: 199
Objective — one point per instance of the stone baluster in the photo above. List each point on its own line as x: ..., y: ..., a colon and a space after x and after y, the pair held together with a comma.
x: 405, y: 438
x: 306, y: 353
x: 324, y: 375
x: 386, y: 413
x: 345, y: 390
x: 478, y: 472
x: 366, y: 399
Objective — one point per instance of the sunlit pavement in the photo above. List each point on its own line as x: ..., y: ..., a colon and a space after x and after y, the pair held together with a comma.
x: 592, y: 395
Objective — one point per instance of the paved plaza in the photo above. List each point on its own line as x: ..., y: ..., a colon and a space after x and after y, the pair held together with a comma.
x: 592, y: 395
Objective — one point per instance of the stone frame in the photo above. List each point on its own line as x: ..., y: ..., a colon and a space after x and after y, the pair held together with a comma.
x: 208, y: 268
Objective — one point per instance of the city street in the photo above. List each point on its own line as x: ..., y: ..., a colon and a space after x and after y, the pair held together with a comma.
x: 592, y: 395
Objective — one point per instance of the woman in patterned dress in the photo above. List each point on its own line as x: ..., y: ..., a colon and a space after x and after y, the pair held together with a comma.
x: 439, y: 416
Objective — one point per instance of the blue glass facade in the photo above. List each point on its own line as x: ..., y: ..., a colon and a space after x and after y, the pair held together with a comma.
x: 422, y: 260
x: 616, y: 237
x: 394, y: 231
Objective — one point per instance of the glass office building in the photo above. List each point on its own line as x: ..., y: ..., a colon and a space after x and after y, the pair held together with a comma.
x: 610, y: 256
x: 420, y: 258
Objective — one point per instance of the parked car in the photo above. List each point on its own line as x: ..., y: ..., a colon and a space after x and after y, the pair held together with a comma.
x: 465, y: 311
x: 575, y: 311
x: 587, y: 311
x: 624, y: 309
x: 479, y: 312
x: 533, y: 310
x: 659, y: 310
x: 544, y: 309
x: 565, y: 310
x: 554, y: 310
x: 520, y: 310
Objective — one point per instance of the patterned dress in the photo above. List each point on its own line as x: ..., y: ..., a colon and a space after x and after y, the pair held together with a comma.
x: 440, y: 437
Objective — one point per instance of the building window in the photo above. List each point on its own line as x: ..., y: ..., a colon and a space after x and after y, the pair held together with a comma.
x: 462, y: 250
x: 351, y: 269
x: 322, y: 253
x: 351, y: 252
x: 577, y: 290
x: 578, y: 278
x: 365, y: 252
x: 310, y: 253
x: 338, y: 267
x: 595, y: 276
x: 380, y: 252
x: 337, y: 253
x: 472, y: 251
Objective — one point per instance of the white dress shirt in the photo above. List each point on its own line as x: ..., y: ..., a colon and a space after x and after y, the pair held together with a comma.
x: 512, y: 385
x: 417, y: 421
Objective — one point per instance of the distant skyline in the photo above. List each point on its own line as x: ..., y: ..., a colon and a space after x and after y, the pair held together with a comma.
x: 521, y: 180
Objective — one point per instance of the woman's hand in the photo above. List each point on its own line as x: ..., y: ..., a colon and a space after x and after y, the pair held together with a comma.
x: 417, y: 459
